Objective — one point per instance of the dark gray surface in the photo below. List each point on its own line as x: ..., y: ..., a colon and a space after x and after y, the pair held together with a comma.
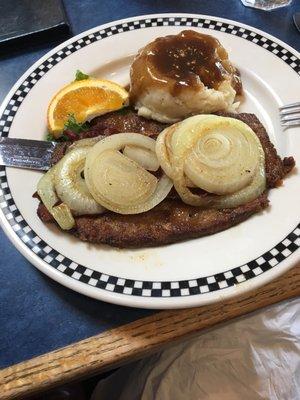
x: 27, y: 19
x: 38, y: 315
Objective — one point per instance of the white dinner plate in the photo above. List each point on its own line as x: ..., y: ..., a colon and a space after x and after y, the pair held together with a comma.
x: 191, y: 273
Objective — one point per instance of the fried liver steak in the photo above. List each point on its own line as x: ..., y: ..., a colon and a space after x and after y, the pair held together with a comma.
x: 172, y: 220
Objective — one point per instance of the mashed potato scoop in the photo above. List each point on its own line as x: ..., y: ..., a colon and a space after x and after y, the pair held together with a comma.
x: 177, y: 76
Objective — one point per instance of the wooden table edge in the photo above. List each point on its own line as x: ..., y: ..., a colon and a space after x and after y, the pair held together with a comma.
x: 135, y: 340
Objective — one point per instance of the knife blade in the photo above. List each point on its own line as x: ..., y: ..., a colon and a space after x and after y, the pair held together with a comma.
x: 25, y: 153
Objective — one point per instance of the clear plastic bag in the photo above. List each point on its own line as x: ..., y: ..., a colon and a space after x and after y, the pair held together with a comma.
x: 256, y: 357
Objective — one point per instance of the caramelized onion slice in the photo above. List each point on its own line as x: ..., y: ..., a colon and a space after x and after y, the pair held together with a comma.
x: 61, y: 213
x: 146, y: 158
x: 171, y: 144
x: 243, y: 196
x: 163, y: 153
x: 63, y: 216
x: 248, y: 193
x: 119, y: 183
x: 120, y: 140
x: 88, y: 142
x: 184, y: 136
x: 222, y: 156
x: 70, y: 184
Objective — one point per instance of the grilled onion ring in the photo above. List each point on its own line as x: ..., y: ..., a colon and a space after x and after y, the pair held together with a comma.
x: 222, y: 156
x: 119, y: 183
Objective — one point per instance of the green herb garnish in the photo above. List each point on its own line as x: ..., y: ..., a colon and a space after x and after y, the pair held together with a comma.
x: 74, y: 126
x: 71, y: 125
x: 50, y: 137
x: 61, y: 138
x: 123, y: 111
x: 80, y: 76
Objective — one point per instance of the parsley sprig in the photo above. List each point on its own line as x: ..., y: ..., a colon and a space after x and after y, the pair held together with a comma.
x: 72, y: 126
x: 80, y: 76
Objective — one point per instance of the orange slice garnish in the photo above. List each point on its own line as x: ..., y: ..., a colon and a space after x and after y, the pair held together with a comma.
x: 85, y: 100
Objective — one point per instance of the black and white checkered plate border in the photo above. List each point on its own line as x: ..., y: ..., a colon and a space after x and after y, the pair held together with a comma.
x: 115, y: 284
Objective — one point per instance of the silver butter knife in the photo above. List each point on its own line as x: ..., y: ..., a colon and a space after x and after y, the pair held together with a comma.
x: 25, y: 153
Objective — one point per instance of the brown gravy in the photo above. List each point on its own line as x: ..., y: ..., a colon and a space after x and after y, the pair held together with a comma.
x: 190, y: 55
x: 182, y: 61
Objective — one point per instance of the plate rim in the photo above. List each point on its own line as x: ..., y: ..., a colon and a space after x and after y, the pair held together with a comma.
x: 129, y: 299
